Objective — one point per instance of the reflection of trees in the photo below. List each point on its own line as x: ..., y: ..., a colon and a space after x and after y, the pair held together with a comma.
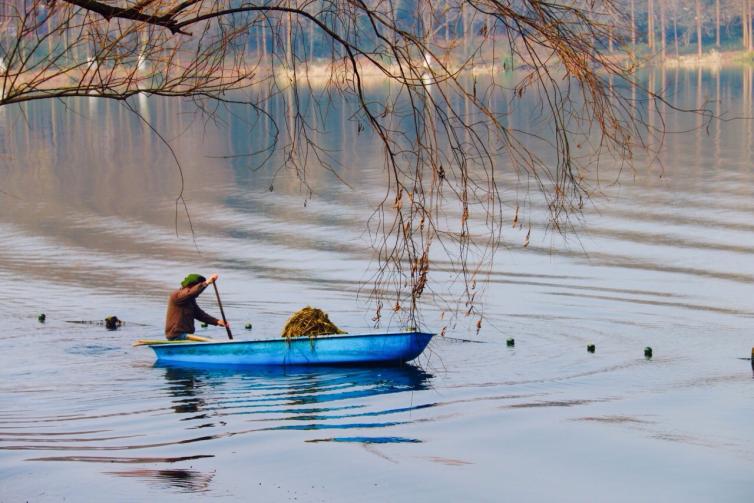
x: 90, y: 155
x: 87, y: 175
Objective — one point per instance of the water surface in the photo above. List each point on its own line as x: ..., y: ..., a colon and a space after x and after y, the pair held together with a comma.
x: 663, y: 259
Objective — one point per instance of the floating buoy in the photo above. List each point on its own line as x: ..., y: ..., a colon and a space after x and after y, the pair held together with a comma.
x: 204, y: 325
x: 648, y: 352
x: 510, y: 342
x: 42, y: 317
x: 247, y: 326
x: 590, y: 348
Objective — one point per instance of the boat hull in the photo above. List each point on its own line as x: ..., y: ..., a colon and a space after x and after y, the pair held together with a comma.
x: 325, y: 350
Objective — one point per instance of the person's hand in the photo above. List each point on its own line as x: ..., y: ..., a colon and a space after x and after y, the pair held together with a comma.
x: 221, y: 323
x: 211, y: 279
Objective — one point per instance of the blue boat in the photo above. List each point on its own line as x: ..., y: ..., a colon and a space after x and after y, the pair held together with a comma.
x: 392, y: 348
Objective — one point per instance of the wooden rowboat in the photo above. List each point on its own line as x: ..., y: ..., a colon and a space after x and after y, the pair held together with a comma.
x: 391, y: 348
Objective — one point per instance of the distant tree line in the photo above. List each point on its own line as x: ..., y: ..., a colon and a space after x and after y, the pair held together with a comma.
x: 672, y: 27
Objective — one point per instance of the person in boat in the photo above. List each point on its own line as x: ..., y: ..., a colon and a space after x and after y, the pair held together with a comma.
x: 183, y: 309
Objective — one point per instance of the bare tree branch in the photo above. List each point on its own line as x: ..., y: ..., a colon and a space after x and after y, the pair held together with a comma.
x: 454, y: 70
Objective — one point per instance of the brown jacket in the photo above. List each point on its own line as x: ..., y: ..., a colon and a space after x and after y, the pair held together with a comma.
x: 182, y: 310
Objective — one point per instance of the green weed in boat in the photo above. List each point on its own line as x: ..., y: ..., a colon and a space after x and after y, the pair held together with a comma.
x: 310, y: 322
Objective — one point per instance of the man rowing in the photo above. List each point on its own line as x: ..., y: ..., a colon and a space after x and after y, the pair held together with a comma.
x: 183, y: 309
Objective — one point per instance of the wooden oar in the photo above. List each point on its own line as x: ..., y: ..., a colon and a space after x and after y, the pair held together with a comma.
x: 222, y: 312
x: 149, y: 342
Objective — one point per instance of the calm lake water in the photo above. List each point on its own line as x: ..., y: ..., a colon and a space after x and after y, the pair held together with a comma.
x: 662, y: 259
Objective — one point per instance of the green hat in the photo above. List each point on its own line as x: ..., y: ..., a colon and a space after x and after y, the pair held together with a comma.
x: 192, y: 279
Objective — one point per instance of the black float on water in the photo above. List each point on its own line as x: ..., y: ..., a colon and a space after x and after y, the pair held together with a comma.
x: 590, y: 348
x: 42, y: 317
x: 510, y: 342
x: 113, y: 323
x: 204, y: 325
x: 648, y: 352
x: 247, y: 326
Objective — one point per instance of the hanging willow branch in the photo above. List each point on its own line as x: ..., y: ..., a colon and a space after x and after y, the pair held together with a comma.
x: 455, y: 69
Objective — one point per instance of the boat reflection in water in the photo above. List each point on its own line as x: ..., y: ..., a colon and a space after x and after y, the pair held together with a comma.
x: 285, y: 398
x: 242, y: 401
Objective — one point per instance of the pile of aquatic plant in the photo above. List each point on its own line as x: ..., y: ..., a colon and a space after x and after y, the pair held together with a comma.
x: 309, y: 322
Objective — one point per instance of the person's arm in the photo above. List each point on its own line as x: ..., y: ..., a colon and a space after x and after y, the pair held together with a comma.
x: 185, y: 294
x: 204, y: 317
